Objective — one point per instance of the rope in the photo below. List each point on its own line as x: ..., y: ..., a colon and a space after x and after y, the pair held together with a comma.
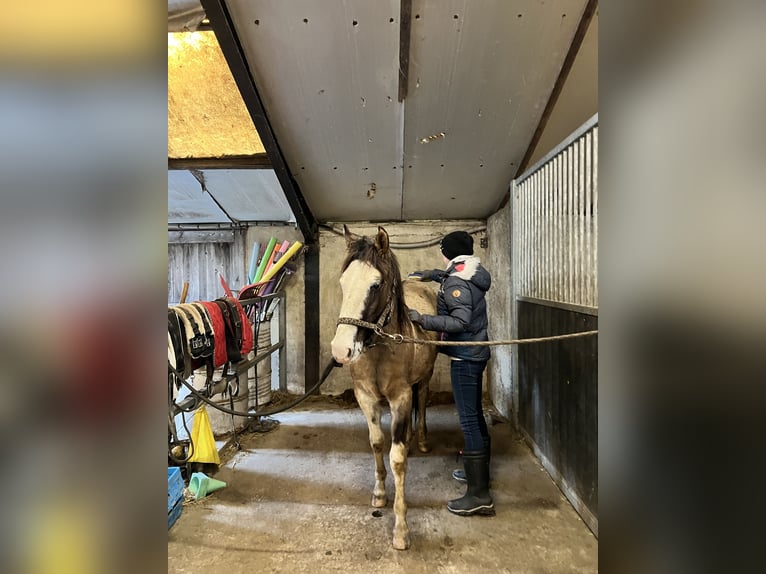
x: 299, y: 400
x: 399, y: 338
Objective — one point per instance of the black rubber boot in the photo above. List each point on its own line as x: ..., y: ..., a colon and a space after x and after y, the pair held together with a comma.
x: 477, y: 499
x: 459, y: 474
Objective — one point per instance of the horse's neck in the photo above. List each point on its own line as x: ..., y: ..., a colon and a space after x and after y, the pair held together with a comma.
x: 393, y: 325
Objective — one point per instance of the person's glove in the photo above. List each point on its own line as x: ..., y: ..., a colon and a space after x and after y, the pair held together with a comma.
x: 415, y: 317
x: 420, y: 276
x: 427, y: 275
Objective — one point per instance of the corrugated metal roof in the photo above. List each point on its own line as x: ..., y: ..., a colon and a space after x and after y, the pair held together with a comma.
x: 188, y: 203
x: 249, y: 194
x: 229, y: 195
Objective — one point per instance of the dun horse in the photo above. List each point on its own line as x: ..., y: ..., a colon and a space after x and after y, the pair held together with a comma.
x: 373, y: 292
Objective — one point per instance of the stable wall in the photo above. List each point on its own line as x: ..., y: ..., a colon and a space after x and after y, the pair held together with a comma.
x: 499, y: 308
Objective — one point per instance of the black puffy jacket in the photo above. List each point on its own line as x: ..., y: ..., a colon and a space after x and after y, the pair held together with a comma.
x: 461, y: 307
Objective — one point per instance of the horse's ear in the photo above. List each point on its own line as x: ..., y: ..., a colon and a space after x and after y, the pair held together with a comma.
x: 381, y: 241
x: 349, y: 237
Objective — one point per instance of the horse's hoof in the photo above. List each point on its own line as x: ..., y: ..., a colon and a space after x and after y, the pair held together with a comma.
x: 379, y: 501
x: 424, y: 447
x: 402, y: 542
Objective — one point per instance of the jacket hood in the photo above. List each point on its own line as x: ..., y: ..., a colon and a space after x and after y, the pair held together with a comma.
x: 469, y: 268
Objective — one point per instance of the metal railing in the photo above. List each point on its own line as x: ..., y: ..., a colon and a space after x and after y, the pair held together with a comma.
x: 555, y: 225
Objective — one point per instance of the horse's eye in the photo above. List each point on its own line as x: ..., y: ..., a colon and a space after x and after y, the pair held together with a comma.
x: 375, y: 286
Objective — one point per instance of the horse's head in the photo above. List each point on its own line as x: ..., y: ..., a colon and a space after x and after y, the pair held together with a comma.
x: 371, y: 283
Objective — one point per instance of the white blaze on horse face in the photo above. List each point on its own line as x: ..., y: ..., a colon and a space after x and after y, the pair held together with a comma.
x: 355, y: 284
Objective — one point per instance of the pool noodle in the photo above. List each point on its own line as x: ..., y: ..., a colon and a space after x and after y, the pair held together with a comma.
x: 265, y: 259
x: 253, y: 262
x: 294, y: 248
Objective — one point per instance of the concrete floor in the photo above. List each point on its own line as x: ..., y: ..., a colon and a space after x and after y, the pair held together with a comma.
x: 298, y: 500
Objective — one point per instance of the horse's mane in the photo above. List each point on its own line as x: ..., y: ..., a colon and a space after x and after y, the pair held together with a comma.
x: 363, y: 249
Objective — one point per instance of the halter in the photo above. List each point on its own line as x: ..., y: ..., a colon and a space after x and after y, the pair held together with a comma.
x: 377, y: 328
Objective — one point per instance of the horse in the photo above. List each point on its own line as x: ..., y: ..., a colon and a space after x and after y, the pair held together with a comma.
x: 373, y: 292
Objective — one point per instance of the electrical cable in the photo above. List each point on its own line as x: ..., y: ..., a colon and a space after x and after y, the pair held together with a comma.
x: 417, y: 245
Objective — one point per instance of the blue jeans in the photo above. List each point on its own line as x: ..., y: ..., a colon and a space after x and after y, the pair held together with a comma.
x: 466, y: 388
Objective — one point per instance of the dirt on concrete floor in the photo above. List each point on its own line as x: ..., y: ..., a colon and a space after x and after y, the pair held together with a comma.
x: 298, y: 500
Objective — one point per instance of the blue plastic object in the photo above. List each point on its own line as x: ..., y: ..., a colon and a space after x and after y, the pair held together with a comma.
x: 175, y: 513
x: 175, y: 487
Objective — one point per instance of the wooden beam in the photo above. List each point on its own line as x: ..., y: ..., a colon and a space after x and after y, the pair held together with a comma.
x: 566, y: 67
x: 258, y: 161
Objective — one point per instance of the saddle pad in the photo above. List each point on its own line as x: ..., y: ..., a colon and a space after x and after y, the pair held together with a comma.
x: 247, y: 328
x: 198, y: 344
x: 219, y: 330
x: 175, y: 342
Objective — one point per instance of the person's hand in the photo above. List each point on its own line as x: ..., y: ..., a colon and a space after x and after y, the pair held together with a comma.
x: 420, y: 276
x: 415, y: 317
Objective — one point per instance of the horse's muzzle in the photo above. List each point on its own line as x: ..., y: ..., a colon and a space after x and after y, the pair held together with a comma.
x: 345, y: 346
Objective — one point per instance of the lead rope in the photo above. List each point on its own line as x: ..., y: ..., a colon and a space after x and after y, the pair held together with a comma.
x: 399, y: 338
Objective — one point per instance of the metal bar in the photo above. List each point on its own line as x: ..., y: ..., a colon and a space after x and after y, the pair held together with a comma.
x: 256, y: 161
x: 255, y: 300
x: 222, y: 25
x: 595, y: 215
x: 571, y: 239
x: 311, y: 310
x: 581, y: 250
x: 536, y: 227
x: 192, y: 401
x: 566, y: 67
x: 517, y: 215
x: 527, y: 255
x: 563, y: 234
x: 283, y: 339
x: 546, y: 260
x: 585, y: 309
x: 541, y: 231
x: 521, y: 261
x: 241, y: 224
x: 575, y: 239
x: 574, y: 136
x: 581, y: 221
x: 551, y: 232
x: 200, y: 236
x: 588, y: 221
x: 559, y: 295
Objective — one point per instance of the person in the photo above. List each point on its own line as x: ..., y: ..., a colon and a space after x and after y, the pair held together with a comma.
x: 462, y: 316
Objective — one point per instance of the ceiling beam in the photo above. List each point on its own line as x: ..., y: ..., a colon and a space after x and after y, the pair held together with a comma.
x: 220, y: 21
x: 257, y: 161
x: 405, y: 15
x: 566, y: 67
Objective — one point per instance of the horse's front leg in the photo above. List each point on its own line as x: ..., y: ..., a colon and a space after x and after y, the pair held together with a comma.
x: 371, y: 409
x: 422, y: 390
x: 401, y: 422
